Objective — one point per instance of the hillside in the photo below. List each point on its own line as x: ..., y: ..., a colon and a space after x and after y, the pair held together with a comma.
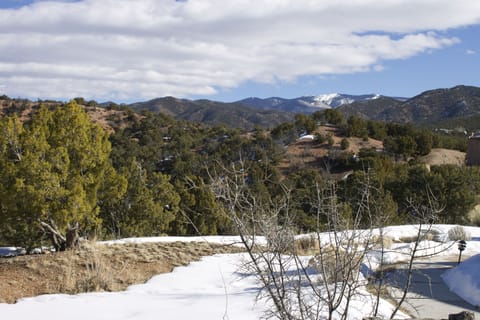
x: 444, y: 156
x: 310, y: 104
x: 109, y: 119
x: 233, y: 115
x: 306, y: 152
x: 112, y: 116
x: 459, y: 103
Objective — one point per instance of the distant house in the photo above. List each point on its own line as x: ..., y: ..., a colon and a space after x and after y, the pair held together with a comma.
x: 473, y: 151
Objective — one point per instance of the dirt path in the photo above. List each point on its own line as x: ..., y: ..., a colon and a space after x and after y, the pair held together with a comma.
x: 96, y: 267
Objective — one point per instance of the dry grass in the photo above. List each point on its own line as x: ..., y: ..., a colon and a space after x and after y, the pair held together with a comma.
x: 306, y: 246
x: 96, y: 267
x: 335, y: 264
x: 458, y: 233
x: 444, y: 156
x: 380, y: 242
x: 430, y: 235
x: 474, y: 216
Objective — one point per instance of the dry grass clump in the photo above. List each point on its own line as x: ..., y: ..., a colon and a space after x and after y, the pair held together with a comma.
x: 474, y: 216
x: 335, y: 264
x: 429, y: 235
x: 306, y: 246
x: 458, y: 233
x: 381, y: 241
x: 85, y: 270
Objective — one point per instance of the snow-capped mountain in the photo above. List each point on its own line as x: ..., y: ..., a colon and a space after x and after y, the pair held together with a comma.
x: 307, y: 104
x: 337, y: 99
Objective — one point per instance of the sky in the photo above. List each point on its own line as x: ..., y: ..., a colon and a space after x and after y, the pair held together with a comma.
x: 135, y: 50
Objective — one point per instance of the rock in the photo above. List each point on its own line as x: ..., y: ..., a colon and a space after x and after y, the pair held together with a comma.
x: 464, y: 315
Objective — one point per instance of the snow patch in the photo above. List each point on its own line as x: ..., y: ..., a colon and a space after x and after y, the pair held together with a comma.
x: 464, y: 280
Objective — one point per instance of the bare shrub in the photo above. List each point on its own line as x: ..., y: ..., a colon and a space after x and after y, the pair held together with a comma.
x: 335, y: 264
x: 306, y: 245
x: 287, y: 280
x: 280, y: 238
x: 458, y: 233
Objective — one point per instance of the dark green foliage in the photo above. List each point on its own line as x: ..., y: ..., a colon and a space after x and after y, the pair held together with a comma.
x: 330, y: 140
x: 304, y: 123
x: 356, y: 127
x: 147, y: 208
x: 344, y: 144
x: 304, y: 185
x: 333, y: 116
x: 365, y: 194
x: 153, y: 177
x: 377, y: 130
x: 52, y: 170
x: 453, y: 188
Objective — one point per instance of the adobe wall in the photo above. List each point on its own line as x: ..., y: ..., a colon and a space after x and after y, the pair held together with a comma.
x: 473, y: 151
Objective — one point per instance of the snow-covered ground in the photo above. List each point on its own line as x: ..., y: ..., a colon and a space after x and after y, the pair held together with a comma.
x: 215, y: 288
x: 464, y: 280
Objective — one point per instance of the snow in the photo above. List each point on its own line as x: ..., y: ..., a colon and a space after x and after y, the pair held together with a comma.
x: 217, y: 288
x: 307, y: 137
x: 11, y: 251
x: 327, y: 98
x: 464, y: 280
x: 208, y: 289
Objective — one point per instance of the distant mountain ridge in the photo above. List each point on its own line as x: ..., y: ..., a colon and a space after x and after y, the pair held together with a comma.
x: 213, y: 112
x: 458, y: 106
x: 426, y: 108
x: 309, y: 104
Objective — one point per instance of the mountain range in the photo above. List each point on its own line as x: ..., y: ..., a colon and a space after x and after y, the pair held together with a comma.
x: 429, y: 107
x: 235, y: 115
x: 438, y: 106
x: 451, y: 108
x: 309, y: 104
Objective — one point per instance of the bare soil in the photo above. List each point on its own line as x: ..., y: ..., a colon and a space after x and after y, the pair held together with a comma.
x: 96, y: 267
x: 309, y: 153
x: 444, y: 156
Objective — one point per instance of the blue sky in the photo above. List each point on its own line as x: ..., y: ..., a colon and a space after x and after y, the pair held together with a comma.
x: 445, y: 68
x: 131, y: 50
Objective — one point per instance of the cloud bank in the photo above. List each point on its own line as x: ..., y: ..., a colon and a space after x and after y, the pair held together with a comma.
x: 140, y: 49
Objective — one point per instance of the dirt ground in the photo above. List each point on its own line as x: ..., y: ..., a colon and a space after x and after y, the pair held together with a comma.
x: 444, y: 156
x: 96, y: 267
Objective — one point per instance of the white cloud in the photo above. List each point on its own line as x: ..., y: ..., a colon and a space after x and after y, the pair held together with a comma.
x: 138, y: 49
x: 470, y: 51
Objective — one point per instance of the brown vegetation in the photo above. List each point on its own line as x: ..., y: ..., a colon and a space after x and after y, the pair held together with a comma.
x: 444, y: 156
x: 96, y: 267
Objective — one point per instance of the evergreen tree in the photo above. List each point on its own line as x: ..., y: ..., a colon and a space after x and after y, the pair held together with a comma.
x: 52, y: 168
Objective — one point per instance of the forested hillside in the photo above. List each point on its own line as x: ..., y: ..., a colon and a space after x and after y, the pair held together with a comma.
x: 214, y: 113
x: 114, y: 173
x: 458, y: 104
